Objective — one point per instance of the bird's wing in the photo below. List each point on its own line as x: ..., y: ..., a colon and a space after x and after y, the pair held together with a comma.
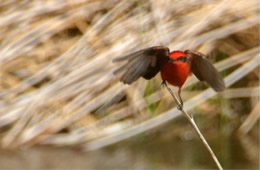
x: 143, y: 63
x: 204, y: 70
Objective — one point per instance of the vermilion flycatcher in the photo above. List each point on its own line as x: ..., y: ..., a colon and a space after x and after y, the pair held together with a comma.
x: 174, y: 67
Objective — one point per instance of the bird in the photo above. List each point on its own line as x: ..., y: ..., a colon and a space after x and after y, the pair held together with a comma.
x: 174, y: 67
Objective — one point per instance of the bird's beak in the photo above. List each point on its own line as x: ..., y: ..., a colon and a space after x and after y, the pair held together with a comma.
x: 170, y: 60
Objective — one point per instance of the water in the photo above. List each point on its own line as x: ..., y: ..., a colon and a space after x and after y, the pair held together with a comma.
x: 156, y: 150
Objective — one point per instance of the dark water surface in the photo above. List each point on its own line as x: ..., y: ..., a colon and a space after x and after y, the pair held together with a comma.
x: 146, y: 151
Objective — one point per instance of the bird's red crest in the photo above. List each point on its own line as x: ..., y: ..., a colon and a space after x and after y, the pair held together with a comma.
x: 177, y: 54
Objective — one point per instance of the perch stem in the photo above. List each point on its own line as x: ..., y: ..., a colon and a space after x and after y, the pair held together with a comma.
x: 195, y: 127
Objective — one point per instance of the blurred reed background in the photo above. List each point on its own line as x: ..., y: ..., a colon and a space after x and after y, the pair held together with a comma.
x: 57, y: 87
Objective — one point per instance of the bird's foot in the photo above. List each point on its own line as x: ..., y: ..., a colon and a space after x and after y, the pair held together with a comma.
x: 163, y: 83
x: 180, y: 107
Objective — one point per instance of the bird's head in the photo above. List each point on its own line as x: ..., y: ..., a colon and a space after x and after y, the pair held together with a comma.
x: 177, y: 56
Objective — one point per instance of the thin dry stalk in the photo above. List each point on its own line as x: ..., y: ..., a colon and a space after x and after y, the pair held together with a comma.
x: 250, y: 120
x: 189, y: 117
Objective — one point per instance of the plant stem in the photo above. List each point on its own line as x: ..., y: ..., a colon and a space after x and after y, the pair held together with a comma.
x: 195, y: 127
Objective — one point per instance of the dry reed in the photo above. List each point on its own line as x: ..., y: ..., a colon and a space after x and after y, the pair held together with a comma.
x: 56, y: 81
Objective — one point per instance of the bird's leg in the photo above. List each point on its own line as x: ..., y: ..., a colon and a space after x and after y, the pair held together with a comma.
x: 180, y: 99
x: 180, y: 106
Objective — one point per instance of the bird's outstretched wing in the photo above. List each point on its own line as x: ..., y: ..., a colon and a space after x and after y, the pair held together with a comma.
x: 204, y: 70
x: 143, y: 63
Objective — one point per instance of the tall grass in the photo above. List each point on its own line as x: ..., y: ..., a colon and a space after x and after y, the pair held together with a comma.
x: 56, y: 81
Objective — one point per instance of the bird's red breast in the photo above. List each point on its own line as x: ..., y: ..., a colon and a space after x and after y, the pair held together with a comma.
x: 175, y: 72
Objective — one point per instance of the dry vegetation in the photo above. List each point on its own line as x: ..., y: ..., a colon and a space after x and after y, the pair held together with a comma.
x: 56, y: 81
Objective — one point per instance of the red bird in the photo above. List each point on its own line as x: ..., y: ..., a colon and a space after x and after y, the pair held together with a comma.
x: 174, y: 67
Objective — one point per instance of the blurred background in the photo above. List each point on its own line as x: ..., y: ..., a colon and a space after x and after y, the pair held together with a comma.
x: 62, y: 107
